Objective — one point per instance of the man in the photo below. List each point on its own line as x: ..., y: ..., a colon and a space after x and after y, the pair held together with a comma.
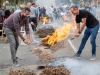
x: 30, y: 29
x: 44, y: 12
x: 88, y: 8
x: 93, y: 11
x: 18, y: 10
x: 92, y: 25
x: 12, y: 26
x: 1, y: 14
x: 51, y: 11
x: 37, y: 15
x: 33, y: 16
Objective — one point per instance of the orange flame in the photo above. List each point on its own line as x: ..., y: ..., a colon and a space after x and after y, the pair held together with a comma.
x: 60, y: 33
x: 46, y: 20
x: 66, y: 18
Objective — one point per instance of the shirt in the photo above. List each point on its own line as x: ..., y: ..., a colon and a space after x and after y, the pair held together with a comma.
x: 18, y: 10
x: 91, y: 21
x: 15, y: 22
x: 37, y: 11
x: 33, y: 12
x: 88, y: 8
x: 94, y: 11
x: 51, y: 10
x: 1, y: 13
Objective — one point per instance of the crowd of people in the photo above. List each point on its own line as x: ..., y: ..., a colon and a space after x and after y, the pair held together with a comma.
x: 91, y: 9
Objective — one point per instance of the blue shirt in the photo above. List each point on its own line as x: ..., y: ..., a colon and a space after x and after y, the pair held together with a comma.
x: 94, y: 11
x: 37, y: 11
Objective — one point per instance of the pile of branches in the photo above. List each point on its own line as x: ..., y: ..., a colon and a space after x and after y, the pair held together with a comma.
x: 42, y: 54
x: 49, y: 70
x: 58, y: 45
x: 22, y: 72
x: 42, y: 33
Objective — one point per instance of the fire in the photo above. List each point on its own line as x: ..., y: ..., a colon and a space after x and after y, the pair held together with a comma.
x: 45, y: 19
x: 60, y: 33
x: 66, y: 18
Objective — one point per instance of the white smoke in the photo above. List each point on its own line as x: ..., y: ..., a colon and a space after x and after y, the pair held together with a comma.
x: 79, y: 67
x: 45, y: 3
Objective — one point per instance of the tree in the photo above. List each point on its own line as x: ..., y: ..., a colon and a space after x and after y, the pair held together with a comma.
x: 75, y: 1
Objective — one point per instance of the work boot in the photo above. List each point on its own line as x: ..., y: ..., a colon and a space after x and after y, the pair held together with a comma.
x: 93, y: 57
x: 77, y: 55
x: 15, y: 63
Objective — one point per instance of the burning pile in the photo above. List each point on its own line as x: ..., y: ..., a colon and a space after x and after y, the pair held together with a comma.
x: 46, y: 19
x: 42, y: 33
x: 42, y: 54
x: 49, y: 70
x: 22, y: 72
x: 60, y: 33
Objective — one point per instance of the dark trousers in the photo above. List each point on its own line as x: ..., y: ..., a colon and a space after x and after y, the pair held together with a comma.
x: 89, y: 32
x: 34, y: 21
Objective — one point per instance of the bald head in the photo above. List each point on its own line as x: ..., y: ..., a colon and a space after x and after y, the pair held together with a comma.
x: 29, y: 5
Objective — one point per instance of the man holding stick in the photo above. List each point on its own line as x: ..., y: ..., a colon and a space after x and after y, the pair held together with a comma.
x: 92, y: 25
x: 12, y: 27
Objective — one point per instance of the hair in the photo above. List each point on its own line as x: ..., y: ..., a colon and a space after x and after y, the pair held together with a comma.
x: 74, y: 7
x: 0, y: 6
x: 27, y: 9
x: 28, y: 3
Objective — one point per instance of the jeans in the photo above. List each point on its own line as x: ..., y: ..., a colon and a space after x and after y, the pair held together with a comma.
x: 89, y: 32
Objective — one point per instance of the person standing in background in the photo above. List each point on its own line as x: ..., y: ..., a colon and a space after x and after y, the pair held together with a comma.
x: 1, y: 15
x: 30, y: 28
x: 51, y: 11
x: 37, y: 16
x: 33, y: 16
x: 88, y: 8
x: 18, y: 10
x: 40, y: 13
x: 44, y: 12
x: 7, y: 13
x: 93, y: 11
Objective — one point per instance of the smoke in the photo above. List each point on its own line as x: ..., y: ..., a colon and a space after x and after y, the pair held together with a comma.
x: 45, y: 3
x: 79, y: 67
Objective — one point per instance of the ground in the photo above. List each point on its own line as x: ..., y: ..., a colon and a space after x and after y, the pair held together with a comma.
x: 31, y: 61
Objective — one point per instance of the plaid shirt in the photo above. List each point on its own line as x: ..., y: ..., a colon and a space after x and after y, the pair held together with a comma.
x: 15, y: 22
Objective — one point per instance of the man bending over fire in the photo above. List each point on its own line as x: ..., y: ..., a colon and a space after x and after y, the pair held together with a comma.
x: 92, y: 25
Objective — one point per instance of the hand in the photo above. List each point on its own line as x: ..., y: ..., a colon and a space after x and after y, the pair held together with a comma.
x: 29, y: 43
x: 72, y: 37
x: 25, y: 41
x: 32, y: 23
x: 77, y: 35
